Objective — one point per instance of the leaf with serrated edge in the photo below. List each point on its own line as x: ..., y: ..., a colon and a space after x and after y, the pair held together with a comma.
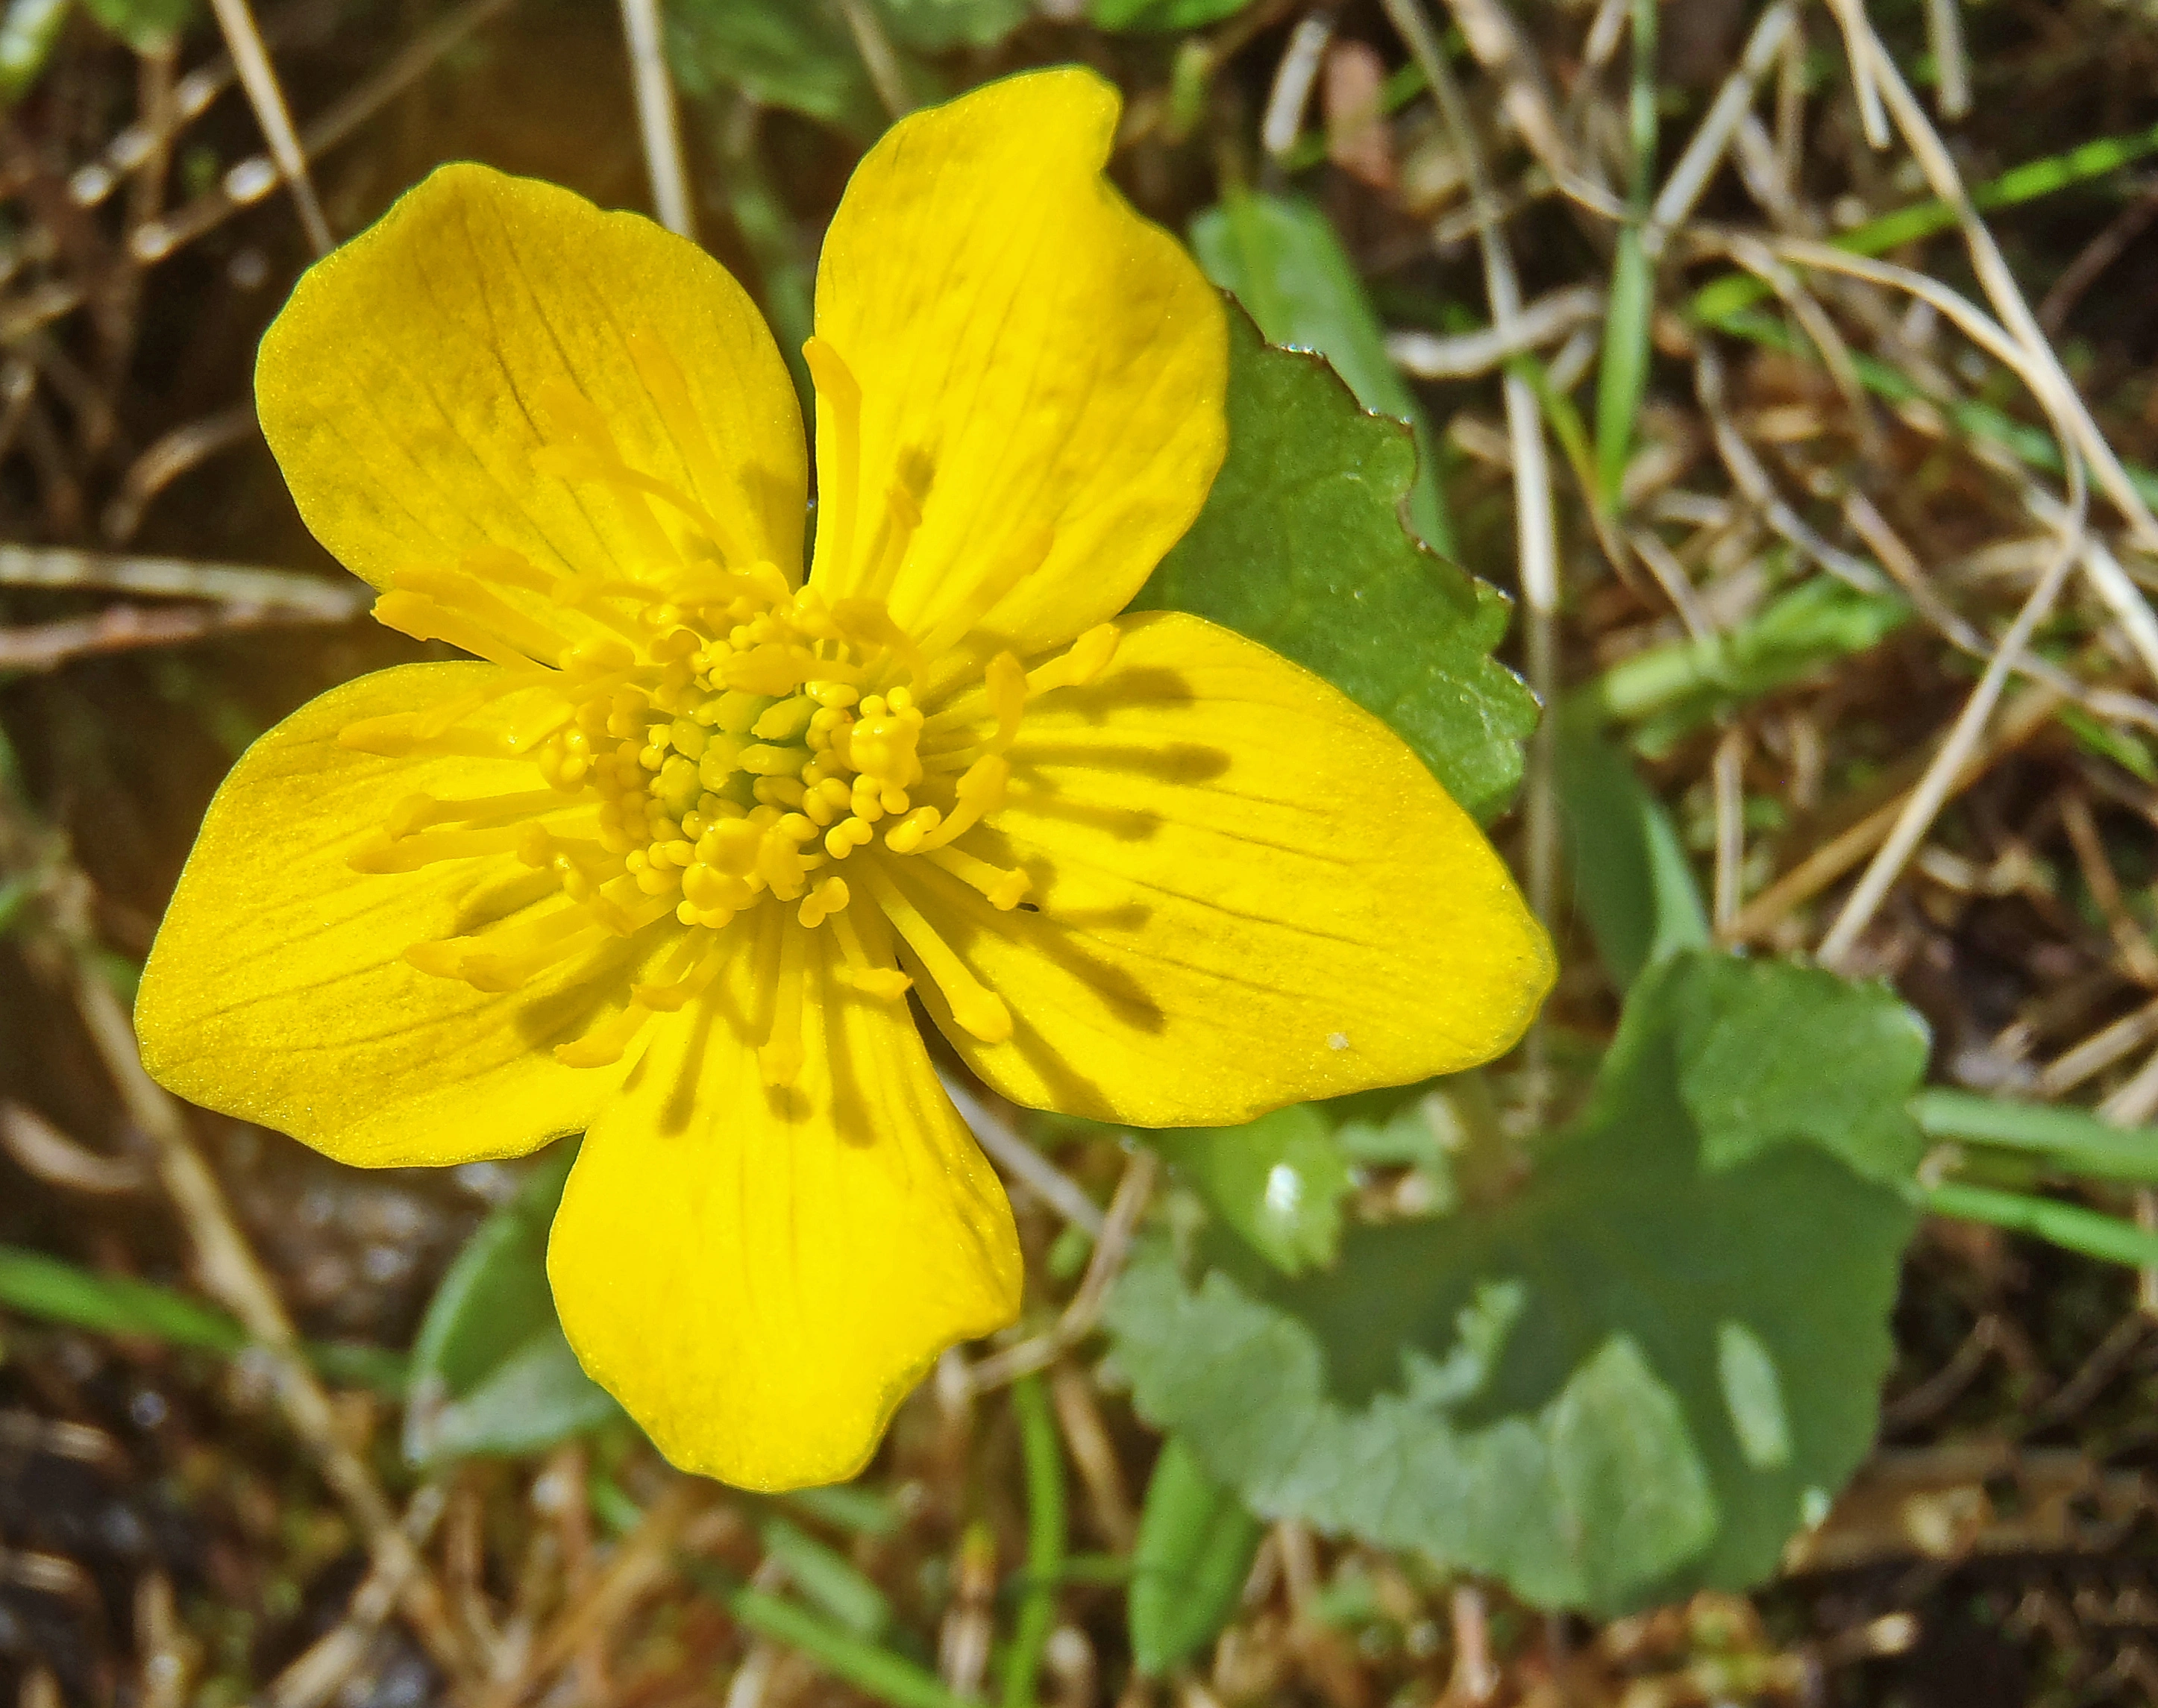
x: 1635, y: 1378
x: 1301, y: 548
x: 1282, y: 259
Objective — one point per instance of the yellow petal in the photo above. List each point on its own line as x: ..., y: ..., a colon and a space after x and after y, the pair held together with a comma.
x: 407, y: 385
x: 276, y: 991
x: 1251, y: 893
x: 761, y: 1276
x: 1041, y: 371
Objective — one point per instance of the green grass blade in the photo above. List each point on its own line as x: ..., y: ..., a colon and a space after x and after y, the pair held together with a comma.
x: 54, y: 1291
x: 1046, y: 1539
x: 870, y: 1669
x: 39, y: 1286
x: 2069, y: 1226
x: 1622, y: 377
x: 2072, y: 1140
x: 1718, y: 300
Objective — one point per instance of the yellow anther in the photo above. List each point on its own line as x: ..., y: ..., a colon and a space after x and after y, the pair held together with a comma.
x: 761, y: 761
x: 604, y: 1045
x: 667, y: 997
x: 821, y: 903
x: 784, y: 720
x: 444, y: 959
x: 906, y: 836
x: 1079, y: 664
x: 846, y: 836
x: 425, y: 619
x: 731, y: 847
x: 409, y: 815
x: 866, y: 623
x: 499, y: 563
x: 859, y: 968
x: 981, y: 792
x: 1005, y: 890
x: 1006, y: 684
x: 734, y: 711
x: 881, y: 746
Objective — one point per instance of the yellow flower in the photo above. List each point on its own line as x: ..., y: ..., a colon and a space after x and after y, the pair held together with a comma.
x: 663, y: 864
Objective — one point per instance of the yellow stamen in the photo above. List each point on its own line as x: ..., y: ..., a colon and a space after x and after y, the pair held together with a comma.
x: 779, y: 1058
x: 669, y: 388
x: 1079, y: 664
x: 1005, y: 890
x: 839, y: 400
x: 981, y: 792
x: 604, y: 1045
x: 871, y: 974
x: 827, y: 898
x: 708, y: 954
x: 455, y: 590
x: 380, y: 854
x: 417, y: 811
x: 424, y: 619
x: 976, y: 1008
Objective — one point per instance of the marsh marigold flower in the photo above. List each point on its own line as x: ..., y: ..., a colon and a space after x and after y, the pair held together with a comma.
x: 671, y: 861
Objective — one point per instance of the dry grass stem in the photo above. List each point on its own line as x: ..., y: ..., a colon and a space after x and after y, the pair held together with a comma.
x: 657, y: 128
x: 1085, y: 1310
x: 236, y: 19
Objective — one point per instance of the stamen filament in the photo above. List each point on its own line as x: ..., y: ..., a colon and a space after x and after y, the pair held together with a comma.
x: 664, y: 378
x: 424, y: 619
x: 981, y: 792
x: 604, y: 1045
x: 779, y: 1058
x: 839, y: 395
x: 1005, y: 890
x: 974, y: 1005
x: 872, y: 974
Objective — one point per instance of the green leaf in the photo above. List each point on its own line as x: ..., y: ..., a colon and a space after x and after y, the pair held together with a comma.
x: 1281, y: 260
x: 1770, y: 1052
x: 799, y: 56
x: 1637, y: 1377
x: 1630, y: 873
x: 1301, y: 548
x: 1278, y: 1181
x: 936, y: 26
x: 144, y: 25
x: 1162, y: 14
x: 492, y: 1372
x: 29, y: 31
x: 1195, y: 1547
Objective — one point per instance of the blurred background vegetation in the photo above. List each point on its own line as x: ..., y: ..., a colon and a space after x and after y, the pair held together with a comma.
x: 1792, y: 514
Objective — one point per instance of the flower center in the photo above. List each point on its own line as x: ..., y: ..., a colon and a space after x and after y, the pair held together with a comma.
x: 709, y: 746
